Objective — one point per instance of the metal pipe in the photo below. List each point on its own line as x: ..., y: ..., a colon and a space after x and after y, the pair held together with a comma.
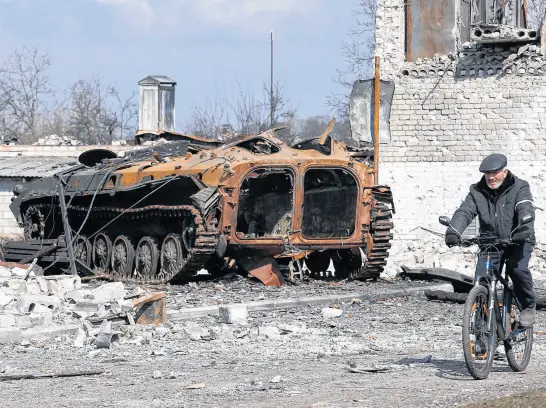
x: 376, y: 122
x: 272, y: 105
x: 525, y: 22
x: 67, y: 228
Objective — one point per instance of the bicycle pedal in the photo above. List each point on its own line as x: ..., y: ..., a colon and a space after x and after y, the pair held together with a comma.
x: 499, y: 357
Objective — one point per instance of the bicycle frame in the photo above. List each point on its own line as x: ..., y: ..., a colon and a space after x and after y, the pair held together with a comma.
x: 497, y: 310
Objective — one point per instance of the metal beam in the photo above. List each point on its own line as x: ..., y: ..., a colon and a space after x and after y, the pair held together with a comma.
x: 67, y: 228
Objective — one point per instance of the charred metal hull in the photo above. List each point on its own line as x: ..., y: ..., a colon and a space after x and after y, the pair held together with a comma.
x: 161, y: 214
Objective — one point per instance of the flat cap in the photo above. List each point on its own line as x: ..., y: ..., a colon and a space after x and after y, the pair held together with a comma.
x: 493, y: 162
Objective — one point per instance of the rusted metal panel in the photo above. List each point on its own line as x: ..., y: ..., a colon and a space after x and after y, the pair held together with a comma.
x: 465, y: 25
x: 151, y: 309
x: 431, y: 27
x: 361, y: 112
x: 263, y: 268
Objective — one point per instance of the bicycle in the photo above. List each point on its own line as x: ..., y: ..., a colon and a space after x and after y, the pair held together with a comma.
x: 486, y: 320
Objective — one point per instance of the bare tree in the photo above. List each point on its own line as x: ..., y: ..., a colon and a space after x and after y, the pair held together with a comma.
x: 56, y: 120
x: 358, y: 52
x: 277, y: 103
x: 127, y: 112
x: 24, y: 87
x: 86, y: 112
x: 251, y: 114
x: 314, y: 126
x: 98, y: 114
x: 209, y: 119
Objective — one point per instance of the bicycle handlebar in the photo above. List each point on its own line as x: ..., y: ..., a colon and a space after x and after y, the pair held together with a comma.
x: 485, y: 241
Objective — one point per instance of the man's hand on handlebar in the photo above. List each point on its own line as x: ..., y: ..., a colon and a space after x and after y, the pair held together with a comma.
x: 520, y: 237
x: 480, y: 241
x: 452, y: 239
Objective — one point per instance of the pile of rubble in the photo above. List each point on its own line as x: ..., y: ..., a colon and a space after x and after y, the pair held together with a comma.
x: 36, y: 308
x: 476, y: 60
x: 435, y: 254
x: 56, y: 140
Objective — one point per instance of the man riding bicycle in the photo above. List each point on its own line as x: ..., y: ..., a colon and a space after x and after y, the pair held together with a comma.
x: 498, y: 200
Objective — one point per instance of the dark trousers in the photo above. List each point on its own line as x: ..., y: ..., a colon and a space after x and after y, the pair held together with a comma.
x: 517, y: 266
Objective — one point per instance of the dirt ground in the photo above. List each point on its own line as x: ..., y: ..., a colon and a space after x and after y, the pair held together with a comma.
x: 295, y: 358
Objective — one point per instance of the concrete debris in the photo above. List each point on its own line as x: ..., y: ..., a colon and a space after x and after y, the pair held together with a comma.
x: 105, y: 335
x: 392, y: 335
x: 195, y: 386
x: 269, y: 331
x: 329, y: 313
x: 434, y: 254
x: 297, y: 327
x: 233, y: 314
x: 501, y: 33
x: 40, y: 308
x: 476, y: 60
x: 159, y: 141
x: 56, y: 140
x: 79, y: 341
x: 109, y: 292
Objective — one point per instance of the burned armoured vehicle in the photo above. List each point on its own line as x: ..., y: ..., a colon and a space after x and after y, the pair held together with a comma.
x: 161, y: 214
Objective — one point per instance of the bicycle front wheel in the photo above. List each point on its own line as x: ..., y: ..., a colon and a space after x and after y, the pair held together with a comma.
x: 479, y: 335
x: 519, y: 343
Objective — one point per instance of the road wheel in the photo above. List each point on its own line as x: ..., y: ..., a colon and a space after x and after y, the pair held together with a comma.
x: 172, y: 256
x: 147, y: 258
x: 123, y: 257
x: 102, y: 252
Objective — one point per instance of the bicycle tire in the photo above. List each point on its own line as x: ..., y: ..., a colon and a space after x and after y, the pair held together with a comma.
x: 513, y: 361
x: 479, y: 372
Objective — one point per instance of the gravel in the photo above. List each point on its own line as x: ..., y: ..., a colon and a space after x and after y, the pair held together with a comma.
x: 386, y: 352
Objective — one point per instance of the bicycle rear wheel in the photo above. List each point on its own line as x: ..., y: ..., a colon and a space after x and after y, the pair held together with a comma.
x: 479, y: 336
x: 518, y: 349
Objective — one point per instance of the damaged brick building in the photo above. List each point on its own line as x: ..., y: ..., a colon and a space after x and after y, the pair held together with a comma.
x: 468, y: 81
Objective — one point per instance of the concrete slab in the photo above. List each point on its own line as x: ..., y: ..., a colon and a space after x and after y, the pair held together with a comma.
x: 284, y: 304
x: 27, y: 303
x: 10, y: 335
x: 49, y: 333
x: 7, y: 320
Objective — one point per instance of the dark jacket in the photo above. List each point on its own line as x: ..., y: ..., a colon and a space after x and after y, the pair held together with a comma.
x: 497, y: 210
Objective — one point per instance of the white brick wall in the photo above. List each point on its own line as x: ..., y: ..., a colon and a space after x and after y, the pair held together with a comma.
x: 8, y: 226
x: 449, y: 119
x: 423, y: 191
x: 389, y: 36
x: 442, y: 127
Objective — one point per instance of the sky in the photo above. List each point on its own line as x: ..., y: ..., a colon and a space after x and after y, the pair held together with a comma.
x: 209, y: 47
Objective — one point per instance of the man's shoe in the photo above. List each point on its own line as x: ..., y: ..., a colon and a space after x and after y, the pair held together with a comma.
x: 527, y: 317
